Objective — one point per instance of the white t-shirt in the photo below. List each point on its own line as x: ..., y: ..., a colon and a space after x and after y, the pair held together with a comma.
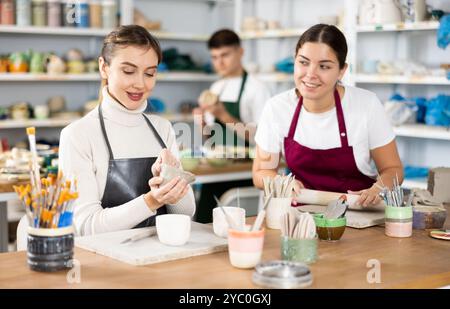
x: 253, y: 98
x: 366, y: 123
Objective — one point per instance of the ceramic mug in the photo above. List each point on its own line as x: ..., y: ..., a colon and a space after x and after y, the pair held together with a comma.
x: 173, y: 229
x: 245, y: 247
x: 220, y: 225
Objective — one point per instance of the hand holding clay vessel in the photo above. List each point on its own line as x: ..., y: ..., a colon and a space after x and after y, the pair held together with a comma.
x: 169, y: 172
x: 207, y: 99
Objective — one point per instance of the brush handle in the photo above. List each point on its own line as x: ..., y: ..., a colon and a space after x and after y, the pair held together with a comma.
x: 259, y: 219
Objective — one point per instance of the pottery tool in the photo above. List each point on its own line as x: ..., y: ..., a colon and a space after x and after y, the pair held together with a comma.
x: 260, y: 217
x: 336, y: 209
x: 147, y: 233
x: 31, y: 132
x: 297, y: 225
x: 393, y: 197
x: 228, y: 218
x: 279, y: 186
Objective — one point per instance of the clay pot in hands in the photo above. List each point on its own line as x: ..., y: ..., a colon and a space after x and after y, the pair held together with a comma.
x: 207, y: 98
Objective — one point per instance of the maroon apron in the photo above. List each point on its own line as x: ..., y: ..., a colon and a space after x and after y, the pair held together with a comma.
x: 325, y: 169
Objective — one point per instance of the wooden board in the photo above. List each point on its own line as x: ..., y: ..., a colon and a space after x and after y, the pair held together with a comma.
x: 355, y: 218
x: 150, y: 250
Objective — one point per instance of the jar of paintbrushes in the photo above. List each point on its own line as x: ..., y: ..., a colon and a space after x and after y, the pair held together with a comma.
x: 48, y: 203
x: 398, y: 213
x: 280, y: 189
x: 299, y: 238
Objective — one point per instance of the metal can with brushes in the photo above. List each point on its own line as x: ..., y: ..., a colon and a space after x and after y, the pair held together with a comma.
x: 50, y: 249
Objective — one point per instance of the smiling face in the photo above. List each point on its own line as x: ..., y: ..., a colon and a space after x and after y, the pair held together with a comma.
x: 131, y: 75
x: 316, y: 71
x: 227, y: 60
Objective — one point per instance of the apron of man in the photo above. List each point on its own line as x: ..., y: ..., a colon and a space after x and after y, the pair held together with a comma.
x: 325, y: 169
x: 209, y: 190
x: 128, y: 178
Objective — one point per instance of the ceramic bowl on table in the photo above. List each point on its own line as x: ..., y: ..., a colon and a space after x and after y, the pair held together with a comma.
x: 329, y: 229
x: 173, y: 229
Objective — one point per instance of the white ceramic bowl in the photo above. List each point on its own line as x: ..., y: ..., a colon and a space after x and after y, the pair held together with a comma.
x: 173, y: 229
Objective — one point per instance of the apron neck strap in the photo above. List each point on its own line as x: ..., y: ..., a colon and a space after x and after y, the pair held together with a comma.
x: 158, y: 137
x: 241, y: 90
x: 340, y: 118
x: 105, y: 136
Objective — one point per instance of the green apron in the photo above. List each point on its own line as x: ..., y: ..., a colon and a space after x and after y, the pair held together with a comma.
x: 209, y: 190
x: 233, y: 108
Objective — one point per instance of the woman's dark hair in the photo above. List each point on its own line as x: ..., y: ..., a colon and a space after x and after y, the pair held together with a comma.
x: 131, y: 35
x: 329, y: 35
x: 224, y: 37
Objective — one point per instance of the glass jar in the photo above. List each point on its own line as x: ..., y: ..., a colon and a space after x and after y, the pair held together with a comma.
x: 68, y: 13
x: 23, y: 13
x: 54, y: 13
x: 82, y: 13
x: 7, y: 12
x: 39, y: 15
x: 95, y: 14
x: 109, y: 14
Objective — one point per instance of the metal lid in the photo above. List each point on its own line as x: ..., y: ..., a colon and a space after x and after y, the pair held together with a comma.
x: 282, y: 274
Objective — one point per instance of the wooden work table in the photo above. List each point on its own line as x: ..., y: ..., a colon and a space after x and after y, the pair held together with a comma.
x: 416, y: 262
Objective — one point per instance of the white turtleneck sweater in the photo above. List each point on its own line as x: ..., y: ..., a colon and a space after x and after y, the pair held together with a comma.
x: 83, y: 153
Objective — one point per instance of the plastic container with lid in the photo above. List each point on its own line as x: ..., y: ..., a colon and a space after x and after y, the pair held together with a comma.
x: 39, y: 13
x: 82, y: 14
x: 54, y: 13
x: 23, y: 13
x: 95, y: 14
x: 109, y: 14
x: 7, y: 12
x: 68, y: 13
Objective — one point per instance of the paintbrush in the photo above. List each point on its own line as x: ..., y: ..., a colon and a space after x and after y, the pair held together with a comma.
x: 147, y: 233
x: 31, y: 132
x: 260, y: 217
x: 228, y: 218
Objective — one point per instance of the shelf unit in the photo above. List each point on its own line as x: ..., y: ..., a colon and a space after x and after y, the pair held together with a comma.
x: 403, y: 26
x: 95, y: 77
x: 401, y: 79
x: 271, y: 34
x: 60, y: 123
x: 419, y: 144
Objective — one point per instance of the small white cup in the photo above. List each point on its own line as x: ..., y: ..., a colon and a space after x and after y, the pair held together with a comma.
x: 173, y: 229
x: 220, y: 224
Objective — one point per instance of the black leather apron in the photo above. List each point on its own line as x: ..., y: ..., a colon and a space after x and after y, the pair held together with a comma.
x: 128, y: 178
